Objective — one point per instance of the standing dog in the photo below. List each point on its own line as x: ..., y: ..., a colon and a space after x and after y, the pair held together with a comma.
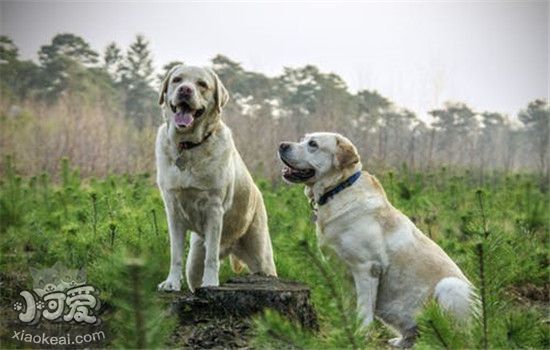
x: 396, y: 268
x: 205, y: 184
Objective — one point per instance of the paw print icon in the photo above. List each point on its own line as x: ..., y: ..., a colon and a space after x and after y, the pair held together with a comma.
x: 17, y: 306
x: 40, y: 305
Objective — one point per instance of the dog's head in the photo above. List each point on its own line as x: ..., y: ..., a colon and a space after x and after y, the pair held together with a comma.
x: 191, y: 96
x: 317, y: 156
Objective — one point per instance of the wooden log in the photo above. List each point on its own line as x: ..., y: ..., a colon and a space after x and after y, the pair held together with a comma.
x: 219, y: 316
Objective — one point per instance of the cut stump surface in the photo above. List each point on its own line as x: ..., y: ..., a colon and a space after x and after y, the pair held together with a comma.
x: 216, y: 317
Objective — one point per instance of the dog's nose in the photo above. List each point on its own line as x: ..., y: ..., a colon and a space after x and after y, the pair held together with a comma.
x: 185, y: 90
x: 284, y: 146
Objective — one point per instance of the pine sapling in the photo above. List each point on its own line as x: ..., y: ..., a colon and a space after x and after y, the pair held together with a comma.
x: 112, y: 233
x: 134, y: 267
x: 155, y: 225
x: 93, y: 197
x: 346, y: 322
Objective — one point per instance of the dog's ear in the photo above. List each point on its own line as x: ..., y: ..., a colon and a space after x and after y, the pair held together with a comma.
x: 346, y: 153
x: 221, y: 96
x: 164, y: 84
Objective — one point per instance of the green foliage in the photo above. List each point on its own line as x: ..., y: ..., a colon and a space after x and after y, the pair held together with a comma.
x: 277, y: 332
x: 122, y: 82
x: 63, y: 60
x: 18, y: 77
x: 448, y: 207
x: 536, y: 118
x: 140, y: 320
x: 101, y: 225
x: 455, y: 117
x: 439, y: 330
x: 68, y: 65
x: 116, y: 228
x: 67, y: 46
x: 112, y: 61
x: 11, y: 209
x: 497, y: 322
x: 136, y: 79
x: 513, y: 328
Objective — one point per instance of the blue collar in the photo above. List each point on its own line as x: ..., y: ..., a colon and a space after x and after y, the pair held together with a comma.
x: 341, y: 186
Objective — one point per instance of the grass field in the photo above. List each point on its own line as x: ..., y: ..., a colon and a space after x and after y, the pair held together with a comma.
x: 115, y: 225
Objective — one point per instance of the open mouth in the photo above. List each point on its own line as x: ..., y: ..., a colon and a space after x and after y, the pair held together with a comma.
x: 293, y: 174
x: 184, y: 114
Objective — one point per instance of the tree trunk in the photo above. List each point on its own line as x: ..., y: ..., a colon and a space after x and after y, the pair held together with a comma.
x: 220, y: 316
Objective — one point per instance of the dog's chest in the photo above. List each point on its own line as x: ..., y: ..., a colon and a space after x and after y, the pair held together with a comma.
x: 331, y: 235
x: 175, y: 178
x: 195, y: 206
x: 198, y: 170
x: 345, y: 245
x: 198, y: 189
x: 346, y: 234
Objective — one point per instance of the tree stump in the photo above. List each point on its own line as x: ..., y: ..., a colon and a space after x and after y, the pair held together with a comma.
x: 216, y: 317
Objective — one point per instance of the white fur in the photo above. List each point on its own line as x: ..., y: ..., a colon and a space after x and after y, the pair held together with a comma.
x: 396, y: 268
x: 210, y: 193
x: 455, y: 296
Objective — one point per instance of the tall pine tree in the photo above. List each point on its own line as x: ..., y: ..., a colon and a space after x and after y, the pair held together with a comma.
x: 136, y: 79
x: 113, y: 61
x: 63, y: 61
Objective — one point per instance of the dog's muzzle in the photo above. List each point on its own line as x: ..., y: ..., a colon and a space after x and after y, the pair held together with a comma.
x: 184, y: 114
x: 293, y: 174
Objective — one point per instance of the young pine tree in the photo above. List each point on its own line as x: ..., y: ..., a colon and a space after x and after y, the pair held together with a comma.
x: 140, y: 319
x: 136, y: 80
x: 496, y: 322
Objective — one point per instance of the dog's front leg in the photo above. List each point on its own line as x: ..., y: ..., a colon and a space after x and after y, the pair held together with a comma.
x: 177, y: 230
x: 366, y: 277
x: 212, y: 231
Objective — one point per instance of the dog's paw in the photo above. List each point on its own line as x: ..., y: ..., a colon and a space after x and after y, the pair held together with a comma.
x: 210, y: 279
x: 395, y: 342
x: 401, y: 343
x: 170, y: 285
x: 210, y: 282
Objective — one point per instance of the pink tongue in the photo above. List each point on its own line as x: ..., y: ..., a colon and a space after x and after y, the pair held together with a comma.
x: 184, y: 119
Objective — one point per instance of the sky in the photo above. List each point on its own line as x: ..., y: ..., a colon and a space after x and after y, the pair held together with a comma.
x: 492, y: 55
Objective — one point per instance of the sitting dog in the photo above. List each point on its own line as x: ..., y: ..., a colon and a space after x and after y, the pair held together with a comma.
x: 395, y: 267
x: 205, y: 184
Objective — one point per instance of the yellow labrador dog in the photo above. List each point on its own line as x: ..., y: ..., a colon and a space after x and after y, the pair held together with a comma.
x: 396, y: 268
x: 205, y: 184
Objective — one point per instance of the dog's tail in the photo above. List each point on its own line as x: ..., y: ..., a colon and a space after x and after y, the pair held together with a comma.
x: 236, y: 265
x: 456, y: 296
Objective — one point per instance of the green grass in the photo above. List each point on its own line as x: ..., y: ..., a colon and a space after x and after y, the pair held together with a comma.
x: 102, y: 224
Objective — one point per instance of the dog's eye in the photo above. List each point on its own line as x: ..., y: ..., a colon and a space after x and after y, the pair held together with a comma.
x: 176, y: 80
x: 202, y: 84
x: 312, y: 144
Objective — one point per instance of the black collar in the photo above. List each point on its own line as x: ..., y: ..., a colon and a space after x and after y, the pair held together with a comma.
x: 339, y: 188
x: 187, y: 145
